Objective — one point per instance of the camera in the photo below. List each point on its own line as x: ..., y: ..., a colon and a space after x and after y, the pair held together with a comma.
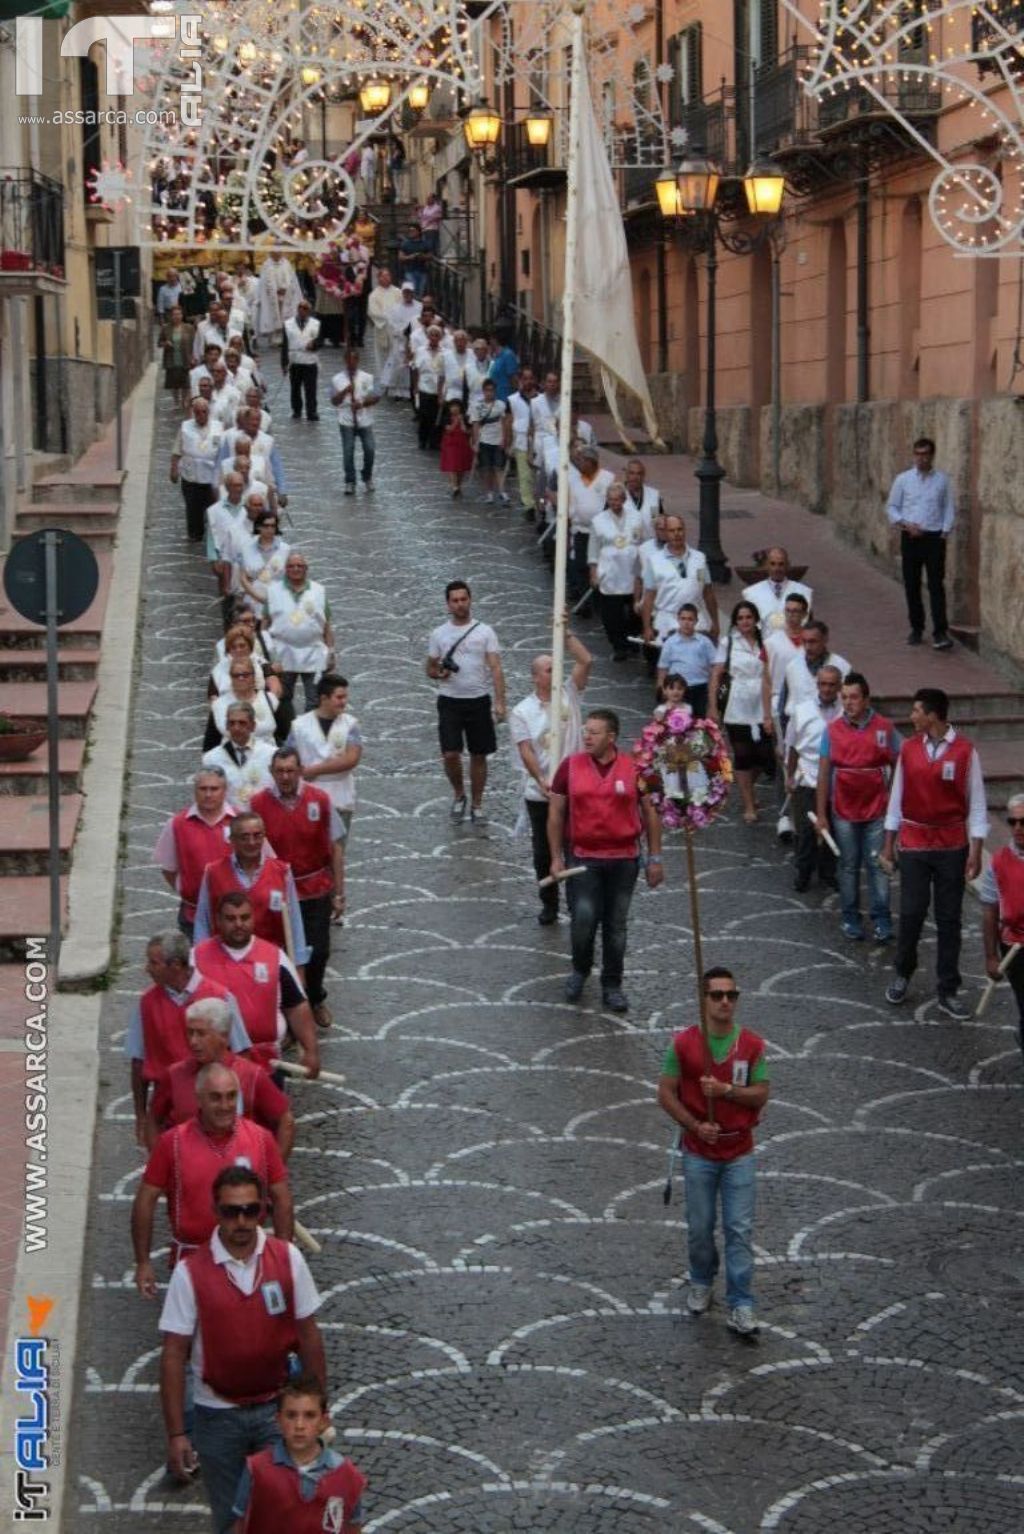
x: 448, y: 664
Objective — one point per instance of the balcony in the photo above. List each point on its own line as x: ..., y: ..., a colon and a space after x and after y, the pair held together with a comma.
x: 783, y: 111
x: 852, y: 107
x: 706, y: 126
x: 528, y: 167
x: 991, y: 43
x: 637, y: 185
x: 31, y: 233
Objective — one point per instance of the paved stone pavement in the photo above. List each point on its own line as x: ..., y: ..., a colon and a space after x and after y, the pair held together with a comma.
x: 504, y: 1318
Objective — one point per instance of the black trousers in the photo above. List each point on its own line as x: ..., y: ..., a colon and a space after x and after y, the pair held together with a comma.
x: 196, y: 497
x: 426, y: 418
x: 924, y: 876
x: 316, y: 919
x: 925, y: 555
x: 537, y: 810
x: 811, y: 856
x: 617, y: 616
x: 303, y: 377
x: 577, y: 570
x: 1015, y: 975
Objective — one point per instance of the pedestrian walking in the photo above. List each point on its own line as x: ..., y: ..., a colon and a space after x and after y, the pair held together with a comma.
x: 740, y: 698
x: 354, y: 395
x: 1001, y: 890
x: 770, y: 595
x: 298, y: 1483
x: 937, y: 810
x: 194, y: 465
x: 244, y: 760
x: 491, y: 436
x: 177, y: 339
x: 268, y: 882
x: 595, y: 800
x: 921, y: 506
x: 194, y: 837
x: 299, y: 360
x: 297, y: 618
x: 691, y: 656
x: 804, y: 734
x: 613, y: 559
x: 464, y: 657
x: 456, y: 449
x: 714, y: 1084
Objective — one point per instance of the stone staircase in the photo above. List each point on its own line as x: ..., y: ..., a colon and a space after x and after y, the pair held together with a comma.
x: 994, y: 721
x: 85, y: 500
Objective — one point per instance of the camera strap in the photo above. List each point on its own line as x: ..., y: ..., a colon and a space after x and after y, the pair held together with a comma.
x: 461, y: 640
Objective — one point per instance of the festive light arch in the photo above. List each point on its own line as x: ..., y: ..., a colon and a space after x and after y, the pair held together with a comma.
x: 962, y: 49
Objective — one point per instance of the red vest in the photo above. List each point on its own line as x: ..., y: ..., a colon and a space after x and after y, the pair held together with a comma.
x: 860, y: 760
x: 604, y: 815
x: 197, y: 1162
x: 1008, y: 871
x: 246, y: 1337
x: 163, y: 1026
x: 302, y: 837
x: 197, y: 844
x: 181, y: 1085
x: 735, y: 1121
x: 254, y: 982
x: 935, y: 796
x: 275, y: 1503
x: 268, y: 895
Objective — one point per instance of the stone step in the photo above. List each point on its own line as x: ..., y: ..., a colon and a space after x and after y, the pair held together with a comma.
x: 962, y: 705
x: 27, y: 700
x: 29, y: 665
x: 24, y: 913
x: 25, y: 837
x: 32, y: 776
x: 81, y: 485
x: 96, y: 523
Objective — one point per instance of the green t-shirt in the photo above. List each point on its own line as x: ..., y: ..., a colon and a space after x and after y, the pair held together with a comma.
x: 720, y: 1045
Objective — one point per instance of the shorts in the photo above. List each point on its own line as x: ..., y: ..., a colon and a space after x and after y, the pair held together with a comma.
x: 490, y: 456
x: 466, y: 723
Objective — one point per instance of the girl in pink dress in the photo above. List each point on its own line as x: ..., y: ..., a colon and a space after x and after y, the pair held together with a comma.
x: 456, y: 448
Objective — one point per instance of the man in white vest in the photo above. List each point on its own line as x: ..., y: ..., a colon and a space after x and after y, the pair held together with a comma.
x: 330, y: 744
x: 194, y: 464
x: 769, y: 596
x: 298, y: 360
x: 379, y: 306
x: 297, y: 617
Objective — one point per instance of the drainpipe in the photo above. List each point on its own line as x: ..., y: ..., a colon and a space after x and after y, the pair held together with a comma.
x: 863, y: 312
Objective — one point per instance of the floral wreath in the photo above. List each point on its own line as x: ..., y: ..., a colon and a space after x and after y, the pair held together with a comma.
x: 683, y: 766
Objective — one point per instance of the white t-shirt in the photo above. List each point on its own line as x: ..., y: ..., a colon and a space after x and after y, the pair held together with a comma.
x: 780, y: 650
x: 586, y: 500
x: 473, y: 678
x: 360, y: 390
x: 746, y: 666
x: 531, y: 721
x: 614, y: 548
x: 180, y: 1314
x: 802, y: 683
x: 519, y: 405
x: 489, y: 415
x: 663, y: 574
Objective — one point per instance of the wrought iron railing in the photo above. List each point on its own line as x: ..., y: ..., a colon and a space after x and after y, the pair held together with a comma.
x: 446, y: 284
x: 782, y: 108
x: 533, y: 343
x: 31, y: 222
x: 706, y: 125
x: 987, y: 38
x: 914, y: 96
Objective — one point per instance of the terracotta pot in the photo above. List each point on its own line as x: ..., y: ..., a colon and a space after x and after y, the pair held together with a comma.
x: 17, y: 745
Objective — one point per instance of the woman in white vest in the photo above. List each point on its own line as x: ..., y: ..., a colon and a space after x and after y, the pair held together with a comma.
x: 297, y: 617
x: 261, y: 561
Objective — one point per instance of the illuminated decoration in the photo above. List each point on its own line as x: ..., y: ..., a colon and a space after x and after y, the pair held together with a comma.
x: 482, y: 127
x: 110, y: 186
x: 245, y: 173
x: 697, y: 183
x: 667, y: 189
x: 897, y: 57
x: 764, y: 185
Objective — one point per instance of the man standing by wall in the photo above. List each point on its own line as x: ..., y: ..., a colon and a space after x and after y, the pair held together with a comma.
x: 921, y: 506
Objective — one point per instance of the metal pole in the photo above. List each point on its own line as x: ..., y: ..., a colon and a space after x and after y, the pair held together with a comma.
x: 776, y: 367
x: 709, y: 472
x: 117, y: 358
x: 565, y: 401
x: 52, y: 728
x: 863, y: 312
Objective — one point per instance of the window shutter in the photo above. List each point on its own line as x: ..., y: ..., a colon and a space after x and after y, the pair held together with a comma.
x: 769, y: 32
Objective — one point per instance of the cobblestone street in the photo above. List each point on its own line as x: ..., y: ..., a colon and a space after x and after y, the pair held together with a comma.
x: 504, y: 1311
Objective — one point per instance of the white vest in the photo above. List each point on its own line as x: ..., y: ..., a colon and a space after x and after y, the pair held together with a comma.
x: 301, y: 342
x: 297, y: 626
x: 314, y: 746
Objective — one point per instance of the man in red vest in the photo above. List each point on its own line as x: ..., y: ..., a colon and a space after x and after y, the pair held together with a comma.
x: 266, y: 879
x: 184, y: 1163
x: 304, y: 827
x: 597, y: 789
x: 263, y: 981
x: 937, y: 806
x: 714, y: 1084
x: 193, y: 838
x: 156, y: 1035
x: 207, y: 1026
x: 300, y: 1484
x: 238, y: 1305
x: 1001, y: 890
x: 858, y: 752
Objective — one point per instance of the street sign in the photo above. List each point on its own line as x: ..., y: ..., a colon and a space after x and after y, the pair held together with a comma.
x: 25, y: 576
x: 107, y: 261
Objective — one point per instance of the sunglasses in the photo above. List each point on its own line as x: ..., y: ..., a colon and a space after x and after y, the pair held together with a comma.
x: 1015, y: 820
x: 239, y: 1211
x: 723, y: 995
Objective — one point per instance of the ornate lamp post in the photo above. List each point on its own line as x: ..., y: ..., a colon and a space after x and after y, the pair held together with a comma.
x: 689, y: 197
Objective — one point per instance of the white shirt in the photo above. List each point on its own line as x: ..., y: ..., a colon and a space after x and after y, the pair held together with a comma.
x: 544, y: 414
x: 977, y: 813
x: 769, y: 597
x: 530, y: 721
x: 262, y: 565
x: 222, y: 518
x: 264, y: 705
x: 473, y: 678
x: 180, y: 1314
x: 802, y: 683
x: 519, y: 408
x: 923, y: 500
x: 359, y: 389
x: 456, y: 369
x: 744, y: 664
x: 804, y: 730
x: 298, y: 622
x: 780, y: 650
x: 586, y: 500
x: 380, y: 304
x: 247, y: 778
x: 648, y: 506
x: 220, y: 676
x: 314, y: 746
x: 489, y: 415
x: 225, y: 404
x: 197, y: 447
x: 614, y: 547
x: 430, y: 370
x: 301, y: 341
x: 663, y: 574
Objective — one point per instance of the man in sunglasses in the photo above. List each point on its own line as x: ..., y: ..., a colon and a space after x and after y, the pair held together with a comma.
x: 1001, y: 890
x: 714, y: 1084
x: 239, y: 1305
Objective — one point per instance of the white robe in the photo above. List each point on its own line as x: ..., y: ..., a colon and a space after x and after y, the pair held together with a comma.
x: 271, y: 310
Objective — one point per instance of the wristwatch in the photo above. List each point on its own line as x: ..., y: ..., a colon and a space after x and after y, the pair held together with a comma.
x: 654, y: 857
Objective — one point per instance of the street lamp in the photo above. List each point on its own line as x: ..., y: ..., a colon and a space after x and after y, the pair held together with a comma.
x: 538, y: 129
x: 419, y: 95
x: 694, y: 208
x: 482, y: 127
x: 374, y: 96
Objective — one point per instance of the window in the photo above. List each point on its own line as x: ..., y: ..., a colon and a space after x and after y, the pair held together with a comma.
x: 912, y: 40
x: 686, y: 55
x: 766, y: 42
x: 92, y: 149
x: 642, y: 93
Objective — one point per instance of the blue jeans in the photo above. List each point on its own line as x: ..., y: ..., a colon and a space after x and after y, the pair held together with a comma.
x: 223, y: 1438
x: 600, y: 898
x: 733, y: 1182
x: 860, y: 842
x: 348, y: 448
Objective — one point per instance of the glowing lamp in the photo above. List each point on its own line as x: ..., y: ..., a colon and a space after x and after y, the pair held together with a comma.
x: 374, y: 97
x: 764, y: 185
x: 697, y: 183
x: 482, y: 127
x: 538, y: 129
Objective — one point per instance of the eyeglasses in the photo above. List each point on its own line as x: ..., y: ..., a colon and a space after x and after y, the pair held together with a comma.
x: 723, y: 995
x: 240, y: 1211
x: 1015, y: 820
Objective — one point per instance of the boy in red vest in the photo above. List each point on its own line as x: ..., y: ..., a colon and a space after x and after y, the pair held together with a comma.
x: 1001, y: 890
x: 937, y: 806
x: 597, y: 789
x: 299, y: 1484
x: 714, y: 1085
x: 237, y: 1306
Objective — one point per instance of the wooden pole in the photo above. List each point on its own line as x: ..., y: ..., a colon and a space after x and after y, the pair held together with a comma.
x: 698, y: 956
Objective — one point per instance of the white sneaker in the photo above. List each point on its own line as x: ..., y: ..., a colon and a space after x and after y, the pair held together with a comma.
x: 743, y: 1321
x: 784, y: 829
x: 488, y: 500
x: 698, y: 1299
x: 504, y: 499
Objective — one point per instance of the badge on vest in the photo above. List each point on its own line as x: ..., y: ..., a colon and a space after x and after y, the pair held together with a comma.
x: 334, y: 1515
x: 260, y: 973
x: 273, y: 1298
x: 620, y: 787
x: 313, y: 811
x: 881, y: 739
x: 227, y: 829
x: 949, y: 772
x: 276, y: 900
x: 242, y: 1161
x: 740, y: 1073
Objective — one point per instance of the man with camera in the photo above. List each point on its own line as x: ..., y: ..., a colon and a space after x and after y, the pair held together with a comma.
x: 465, y: 658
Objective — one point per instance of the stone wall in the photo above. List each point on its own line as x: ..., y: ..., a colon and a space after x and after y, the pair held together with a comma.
x: 737, y: 449
x: 802, y: 456
x: 999, y: 502
x: 80, y: 393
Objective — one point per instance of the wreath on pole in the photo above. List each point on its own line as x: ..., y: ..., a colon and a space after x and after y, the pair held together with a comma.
x: 683, y: 765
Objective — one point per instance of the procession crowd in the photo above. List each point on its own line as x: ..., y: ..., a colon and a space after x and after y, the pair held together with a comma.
x: 258, y: 858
